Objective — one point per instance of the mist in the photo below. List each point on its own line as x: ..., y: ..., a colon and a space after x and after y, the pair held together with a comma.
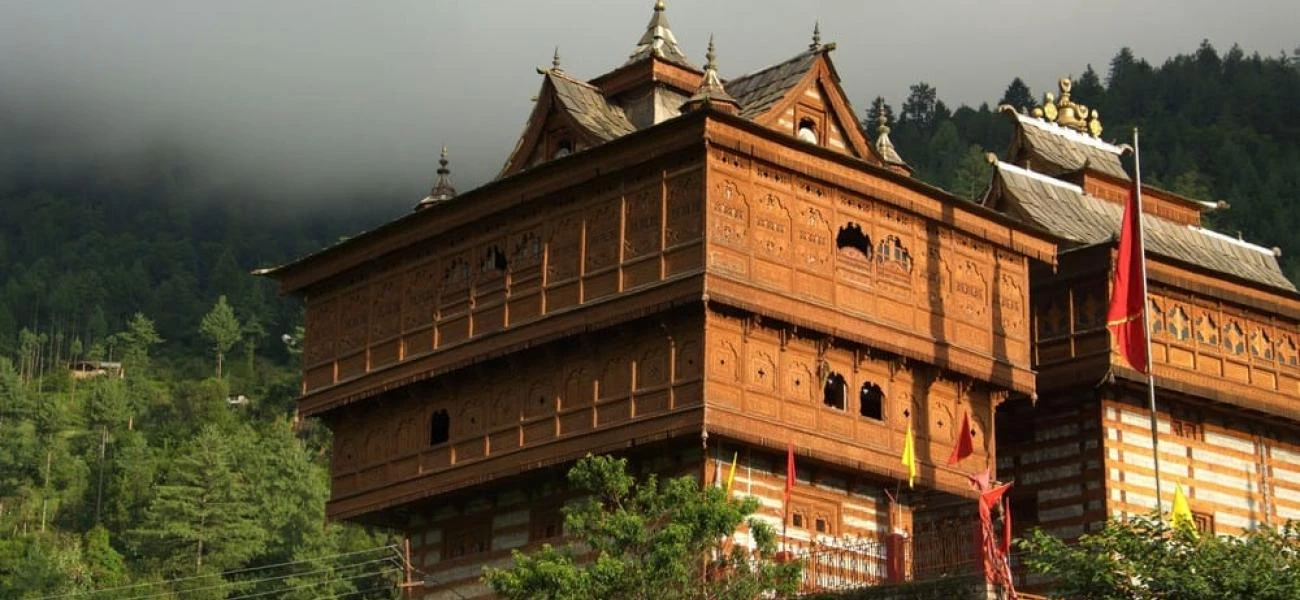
x: 326, y: 102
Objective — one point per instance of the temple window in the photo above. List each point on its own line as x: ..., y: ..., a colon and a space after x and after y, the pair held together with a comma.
x: 833, y: 392
x: 493, y: 259
x: 439, y: 428
x: 1260, y: 345
x: 851, y: 238
x: 1234, y: 340
x: 871, y: 401
x: 892, y: 253
x: 545, y: 523
x: 807, y: 131
x: 563, y: 148
x: 1178, y: 325
x: 1206, y: 330
x: 1157, y: 318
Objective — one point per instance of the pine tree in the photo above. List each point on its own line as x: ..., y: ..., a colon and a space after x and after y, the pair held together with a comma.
x: 200, y: 518
x: 1018, y: 96
x: 222, y: 329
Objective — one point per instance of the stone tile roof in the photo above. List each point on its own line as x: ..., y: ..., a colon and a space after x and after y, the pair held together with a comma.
x: 758, y: 91
x: 1064, y: 210
x: 1054, y: 150
x: 590, y: 109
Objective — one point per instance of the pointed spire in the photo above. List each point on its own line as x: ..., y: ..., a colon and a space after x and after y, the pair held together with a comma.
x: 555, y: 60
x: 442, y: 191
x: 817, y: 37
x: 711, y: 92
x: 658, y: 41
x: 884, y: 145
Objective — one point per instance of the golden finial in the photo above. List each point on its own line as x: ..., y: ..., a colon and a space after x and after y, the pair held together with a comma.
x: 555, y: 60
x: 1068, y: 113
x: 882, y: 125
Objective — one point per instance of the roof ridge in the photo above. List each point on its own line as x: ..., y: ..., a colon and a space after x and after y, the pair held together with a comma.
x: 1231, y: 240
x: 771, y: 66
x: 1048, y: 179
x: 1069, y: 134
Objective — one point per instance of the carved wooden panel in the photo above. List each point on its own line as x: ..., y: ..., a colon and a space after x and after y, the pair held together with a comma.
x: 684, y: 221
x: 644, y: 226
x: 771, y: 233
x: 354, y: 318
x: 386, y: 308
x: 421, y: 296
x: 604, y: 229
x: 564, y: 248
x: 321, y: 326
x: 729, y: 214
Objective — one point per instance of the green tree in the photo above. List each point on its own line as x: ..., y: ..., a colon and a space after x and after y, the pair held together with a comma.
x: 139, y: 337
x: 221, y: 329
x: 200, y: 518
x: 972, y: 175
x: 1018, y: 96
x: 648, y: 540
x: 1144, y: 558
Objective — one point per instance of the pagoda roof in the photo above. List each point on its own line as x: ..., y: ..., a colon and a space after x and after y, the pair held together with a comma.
x: 1055, y: 150
x: 1064, y: 210
x: 759, y: 91
x: 588, y: 107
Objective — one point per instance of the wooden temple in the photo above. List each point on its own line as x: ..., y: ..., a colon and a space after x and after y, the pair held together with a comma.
x: 1224, y: 349
x: 680, y: 268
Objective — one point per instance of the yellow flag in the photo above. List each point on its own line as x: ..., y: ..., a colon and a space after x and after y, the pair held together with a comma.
x: 1181, y: 516
x: 909, y: 456
x: 731, y: 474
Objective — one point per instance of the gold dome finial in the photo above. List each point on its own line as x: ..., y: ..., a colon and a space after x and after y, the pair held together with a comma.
x: 442, y: 190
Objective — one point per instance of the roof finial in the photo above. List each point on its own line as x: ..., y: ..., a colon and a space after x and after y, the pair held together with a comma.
x: 817, y: 37
x: 442, y: 190
x: 885, y: 146
x: 658, y: 41
x: 711, y: 91
x: 555, y: 60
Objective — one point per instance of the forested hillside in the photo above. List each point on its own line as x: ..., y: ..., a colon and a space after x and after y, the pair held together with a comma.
x: 189, y: 477
x: 1214, y: 127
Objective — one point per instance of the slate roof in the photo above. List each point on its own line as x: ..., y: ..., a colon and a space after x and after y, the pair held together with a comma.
x: 1055, y: 150
x: 758, y: 91
x: 589, y: 108
x: 1064, y: 210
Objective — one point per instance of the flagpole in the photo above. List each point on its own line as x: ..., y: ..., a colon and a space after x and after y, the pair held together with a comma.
x: 1146, y: 324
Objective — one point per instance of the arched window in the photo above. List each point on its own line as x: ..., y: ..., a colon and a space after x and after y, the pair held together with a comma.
x: 834, y: 391
x: 851, y: 237
x: 439, y: 428
x: 871, y: 401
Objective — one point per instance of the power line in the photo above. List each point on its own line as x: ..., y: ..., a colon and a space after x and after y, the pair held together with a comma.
x: 390, y: 547
x: 367, y: 591
x: 318, y: 583
x: 256, y: 581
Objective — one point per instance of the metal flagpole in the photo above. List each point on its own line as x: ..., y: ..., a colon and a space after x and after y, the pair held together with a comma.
x: 1146, y: 322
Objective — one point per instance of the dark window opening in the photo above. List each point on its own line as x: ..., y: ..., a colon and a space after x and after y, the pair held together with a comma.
x: 494, y: 258
x: 563, y: 148
x: 833, y: 392
x: 871, y: 401
x: 807, y: 130
x: 821, y: 526
x: 439, y: 428
x: 797, y: 520
x: 851, y: 236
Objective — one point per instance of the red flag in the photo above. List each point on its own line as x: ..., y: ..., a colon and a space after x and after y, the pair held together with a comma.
x: 1125, y: 316
x: 965, y: 442
x: 789, y: 471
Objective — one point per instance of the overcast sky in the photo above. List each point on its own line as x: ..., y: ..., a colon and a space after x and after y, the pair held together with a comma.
x: 321, y: 94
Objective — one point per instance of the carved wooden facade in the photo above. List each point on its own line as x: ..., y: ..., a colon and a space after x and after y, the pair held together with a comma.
x: 738, y: 279
x: 1224, y: 328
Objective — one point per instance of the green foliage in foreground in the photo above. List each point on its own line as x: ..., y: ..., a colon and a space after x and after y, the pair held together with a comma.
x: 648, y: 540
x: 1144, y: 558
